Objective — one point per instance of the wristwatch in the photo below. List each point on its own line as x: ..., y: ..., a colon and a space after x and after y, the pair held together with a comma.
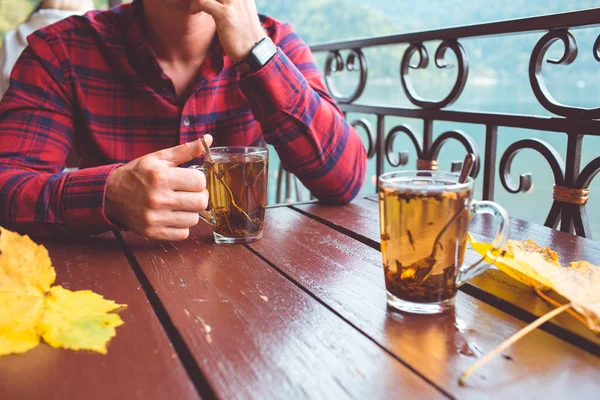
x: 262, y: 52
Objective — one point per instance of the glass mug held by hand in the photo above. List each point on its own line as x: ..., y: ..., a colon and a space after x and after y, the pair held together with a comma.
x: 424, y: 221
x: 236, y: 179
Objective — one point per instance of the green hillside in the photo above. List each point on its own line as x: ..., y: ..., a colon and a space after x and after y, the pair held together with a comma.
x: 331, y: 20
x: 428, y: 14
x: 320, y: 20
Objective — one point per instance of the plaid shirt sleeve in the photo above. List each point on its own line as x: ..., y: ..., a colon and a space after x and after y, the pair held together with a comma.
x: 300, y: 119
x: 36, y: 131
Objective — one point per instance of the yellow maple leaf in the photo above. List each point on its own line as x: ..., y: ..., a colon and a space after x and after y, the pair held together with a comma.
x: 25, y: 267
x: 517, y: 260
x: 19, y: 315
x: 26, y: 274
x: 78, y: 320
x: 580, y: 283
x: 30, y: 308
x: 540, y: 268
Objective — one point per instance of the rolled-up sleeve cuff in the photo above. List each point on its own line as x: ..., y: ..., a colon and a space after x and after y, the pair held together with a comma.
x: 83, y: 195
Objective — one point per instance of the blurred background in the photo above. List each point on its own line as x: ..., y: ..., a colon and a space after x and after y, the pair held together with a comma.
x: 498, y: 80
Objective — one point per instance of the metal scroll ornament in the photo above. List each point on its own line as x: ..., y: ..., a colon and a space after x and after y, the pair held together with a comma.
x: 368, y: 128
x: 537, y: 81
x: 355, y: 61
x: 555, y: 161
x: 569, y: 199
x: 402, y: 158
x: 430, y: 156
x: 440, y: 62
x: 557, y: 165
x: 467, y: 142
x: 597, y: 49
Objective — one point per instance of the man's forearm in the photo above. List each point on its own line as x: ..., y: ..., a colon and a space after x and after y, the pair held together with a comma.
x: 40, y: 203
x: 312, y: 138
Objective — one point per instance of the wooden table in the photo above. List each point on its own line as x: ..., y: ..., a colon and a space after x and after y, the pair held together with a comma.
x: 301, y: 314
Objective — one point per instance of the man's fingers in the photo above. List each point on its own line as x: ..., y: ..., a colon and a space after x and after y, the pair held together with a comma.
x: 189, y: 201
x: 181, y: 219
x: 186, y: 180
x: 211, y: 7
x: 184, y: 152
x: 167, y: 233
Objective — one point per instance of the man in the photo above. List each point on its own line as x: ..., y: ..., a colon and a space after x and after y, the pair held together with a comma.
x: 143, y: 82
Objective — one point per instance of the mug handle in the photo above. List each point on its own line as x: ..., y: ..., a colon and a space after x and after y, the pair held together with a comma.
x: 206, y: 215
x: 466, y: 273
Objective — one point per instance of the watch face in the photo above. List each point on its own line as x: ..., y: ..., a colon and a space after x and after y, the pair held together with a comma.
x: 261, y: 54
x: 264, y: 51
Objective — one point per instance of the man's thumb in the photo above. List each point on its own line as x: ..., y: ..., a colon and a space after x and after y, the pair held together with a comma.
x: 184, y: 152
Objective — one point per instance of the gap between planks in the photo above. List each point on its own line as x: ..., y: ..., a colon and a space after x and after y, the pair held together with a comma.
x: 337, y: 314
x: 183, y: 352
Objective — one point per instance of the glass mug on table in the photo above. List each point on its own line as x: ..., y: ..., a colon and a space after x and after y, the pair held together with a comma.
x: 424, y: 221
x: 236, y: 179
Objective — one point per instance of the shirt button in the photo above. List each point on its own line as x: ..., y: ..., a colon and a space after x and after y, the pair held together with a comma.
x: 186, y: 121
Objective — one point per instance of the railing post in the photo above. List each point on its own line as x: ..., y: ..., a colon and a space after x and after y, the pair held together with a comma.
x: 278, y: 198
x: 572, y: 167
x: 427, y: 138
x: 380, y: 144
x: 288, y: 188
x: 489, y: 166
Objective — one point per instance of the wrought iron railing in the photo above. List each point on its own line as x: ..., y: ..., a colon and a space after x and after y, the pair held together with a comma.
x: 571, y: 181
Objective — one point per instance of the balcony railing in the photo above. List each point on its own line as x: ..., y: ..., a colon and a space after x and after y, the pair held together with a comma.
x: 571, y: 180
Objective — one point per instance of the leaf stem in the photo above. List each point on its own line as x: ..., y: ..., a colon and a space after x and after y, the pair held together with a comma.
x: 557, y: 304
x: 511, y: 340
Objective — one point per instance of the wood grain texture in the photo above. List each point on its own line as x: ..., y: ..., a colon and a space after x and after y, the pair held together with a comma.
x: 254, y: 334
x: 140, y: 364
x: 347, y: 276
x: 361, y: 217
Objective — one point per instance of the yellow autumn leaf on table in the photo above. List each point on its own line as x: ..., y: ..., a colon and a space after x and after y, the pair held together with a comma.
x: 540, y: 268
x: 580, y: 283
x: 30, y: 308
x: 19, y: 315
x: 78, y: 320
x: 26, y: 274
x: 524, y: 261
x: 25, y: 267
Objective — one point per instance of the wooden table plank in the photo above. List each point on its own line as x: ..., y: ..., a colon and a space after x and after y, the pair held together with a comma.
x: 360, y: 219
x: 140, y: 364
x: 256, y: 335
x: 347, y: 276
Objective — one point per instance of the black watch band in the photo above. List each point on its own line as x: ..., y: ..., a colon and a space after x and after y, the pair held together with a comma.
x: 262, y: 52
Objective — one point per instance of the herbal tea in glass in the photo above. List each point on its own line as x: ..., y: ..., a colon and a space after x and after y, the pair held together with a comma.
x: 236, y: 180
x: 424, y: 221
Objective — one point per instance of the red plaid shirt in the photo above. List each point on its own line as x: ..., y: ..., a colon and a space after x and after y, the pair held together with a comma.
x: 93, y: 83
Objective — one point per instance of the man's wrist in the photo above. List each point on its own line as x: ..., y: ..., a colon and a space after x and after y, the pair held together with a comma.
x: 110, y: 208
x: 251, y: 40
x: 261, y: 53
